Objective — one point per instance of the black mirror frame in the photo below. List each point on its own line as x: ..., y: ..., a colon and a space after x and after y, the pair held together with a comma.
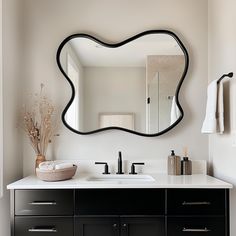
x: 114, y: 46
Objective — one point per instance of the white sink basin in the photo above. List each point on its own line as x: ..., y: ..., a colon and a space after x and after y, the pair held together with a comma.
x: 121, y: 178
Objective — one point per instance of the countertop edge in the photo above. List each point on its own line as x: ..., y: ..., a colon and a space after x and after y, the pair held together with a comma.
x: 161, y: 181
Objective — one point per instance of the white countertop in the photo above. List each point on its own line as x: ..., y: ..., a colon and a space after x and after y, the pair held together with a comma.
x: 160, y: 181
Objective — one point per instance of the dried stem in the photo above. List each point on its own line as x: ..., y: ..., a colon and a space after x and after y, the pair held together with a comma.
x: 40, y: 123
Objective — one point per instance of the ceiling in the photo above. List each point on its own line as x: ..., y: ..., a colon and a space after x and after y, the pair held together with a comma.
x: 132, y: 54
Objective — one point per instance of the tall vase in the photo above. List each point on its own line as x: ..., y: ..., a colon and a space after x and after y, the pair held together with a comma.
x: 40, y: 158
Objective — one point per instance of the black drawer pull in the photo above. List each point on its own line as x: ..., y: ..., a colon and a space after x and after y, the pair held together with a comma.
x: 43, y: 230
x: 205, y: 230
x: 43, y: 203
x: 195, y: 203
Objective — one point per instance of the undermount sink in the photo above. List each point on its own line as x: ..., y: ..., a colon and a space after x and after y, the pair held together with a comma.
x: 121, y: 178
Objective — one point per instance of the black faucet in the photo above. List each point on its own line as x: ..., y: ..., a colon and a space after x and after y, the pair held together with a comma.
x: 106, y: 170
x: 132, y: 172
x: 120, y: 172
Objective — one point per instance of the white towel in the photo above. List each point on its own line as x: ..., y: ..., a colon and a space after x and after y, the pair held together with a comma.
x: 53, y: 165
x: 220, y: 109
x: 47, y: 165
x: 175, y: 112
x: 63, y: 166
x: 214, y: 119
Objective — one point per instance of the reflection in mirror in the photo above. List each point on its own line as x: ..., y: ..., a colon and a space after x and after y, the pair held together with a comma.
x: 131, y: 86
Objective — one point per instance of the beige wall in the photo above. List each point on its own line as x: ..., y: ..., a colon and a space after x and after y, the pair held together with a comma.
x: 12, y: 168
x: 222, y: 59
x: 68, y: 50
x: 125, y: 88
x: 170, y: 69
x: 1, y: 107
x: 48, y: 22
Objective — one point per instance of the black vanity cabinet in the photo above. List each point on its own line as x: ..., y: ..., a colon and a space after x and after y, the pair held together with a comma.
x: 120, y: 212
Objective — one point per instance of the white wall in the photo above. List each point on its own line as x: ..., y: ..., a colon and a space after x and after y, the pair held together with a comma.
x: 48, y: 22
x: 11, y: 94
x: 222, y: 59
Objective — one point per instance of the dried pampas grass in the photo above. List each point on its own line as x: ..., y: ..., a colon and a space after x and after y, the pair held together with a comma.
x: 40, y: 122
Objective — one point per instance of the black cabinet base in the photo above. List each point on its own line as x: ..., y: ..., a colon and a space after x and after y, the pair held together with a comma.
x: 120, y: 212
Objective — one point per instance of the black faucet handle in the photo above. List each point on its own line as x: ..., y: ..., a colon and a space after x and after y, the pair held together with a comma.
x: 106, y: 170
x: 132, y: 172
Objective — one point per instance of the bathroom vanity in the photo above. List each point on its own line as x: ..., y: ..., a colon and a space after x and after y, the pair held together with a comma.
x: 167, y: 206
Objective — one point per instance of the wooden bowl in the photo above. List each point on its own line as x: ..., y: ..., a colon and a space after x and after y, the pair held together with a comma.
x: 56, y: 175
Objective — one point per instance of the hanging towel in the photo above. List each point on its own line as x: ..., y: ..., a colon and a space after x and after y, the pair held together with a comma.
x: 214, y: 119
x: 175, y: 112
x: 220, y: 109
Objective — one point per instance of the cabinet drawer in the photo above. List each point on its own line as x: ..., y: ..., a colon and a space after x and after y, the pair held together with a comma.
x: 44, y: 202
x: 196, y: 201
x: 192, y: 226
x: 120, y: 202
x: 45, y: 226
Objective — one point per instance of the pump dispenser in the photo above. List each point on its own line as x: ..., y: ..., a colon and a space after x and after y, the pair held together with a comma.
x: 174, y: 164
x: 186, y: 164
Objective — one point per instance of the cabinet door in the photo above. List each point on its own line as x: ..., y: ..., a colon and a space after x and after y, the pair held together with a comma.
x: 142, y: 226
x: 97, y: 226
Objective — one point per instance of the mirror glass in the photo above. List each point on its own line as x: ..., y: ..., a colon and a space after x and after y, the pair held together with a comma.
x: 132, y: 85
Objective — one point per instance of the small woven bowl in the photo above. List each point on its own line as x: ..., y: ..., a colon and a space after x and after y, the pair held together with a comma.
x: 56, y: 175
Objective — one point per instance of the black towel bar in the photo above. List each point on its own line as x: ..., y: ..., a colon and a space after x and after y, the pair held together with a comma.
x: 230, y: 75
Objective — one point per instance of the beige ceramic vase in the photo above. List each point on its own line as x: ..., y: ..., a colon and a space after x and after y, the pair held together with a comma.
x: 40, y: 158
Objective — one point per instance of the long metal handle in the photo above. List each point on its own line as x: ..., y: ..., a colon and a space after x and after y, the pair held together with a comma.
x: 43, y: 230
x: 42, y: 203
x: 196, y: 230
x: 195, y: 203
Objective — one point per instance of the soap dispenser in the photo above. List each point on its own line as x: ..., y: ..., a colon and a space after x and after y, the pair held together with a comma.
x: 174, y: 164
x: 186, y: 164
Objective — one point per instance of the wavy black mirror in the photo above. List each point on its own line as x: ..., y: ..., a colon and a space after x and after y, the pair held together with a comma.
x: 132, y: 85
